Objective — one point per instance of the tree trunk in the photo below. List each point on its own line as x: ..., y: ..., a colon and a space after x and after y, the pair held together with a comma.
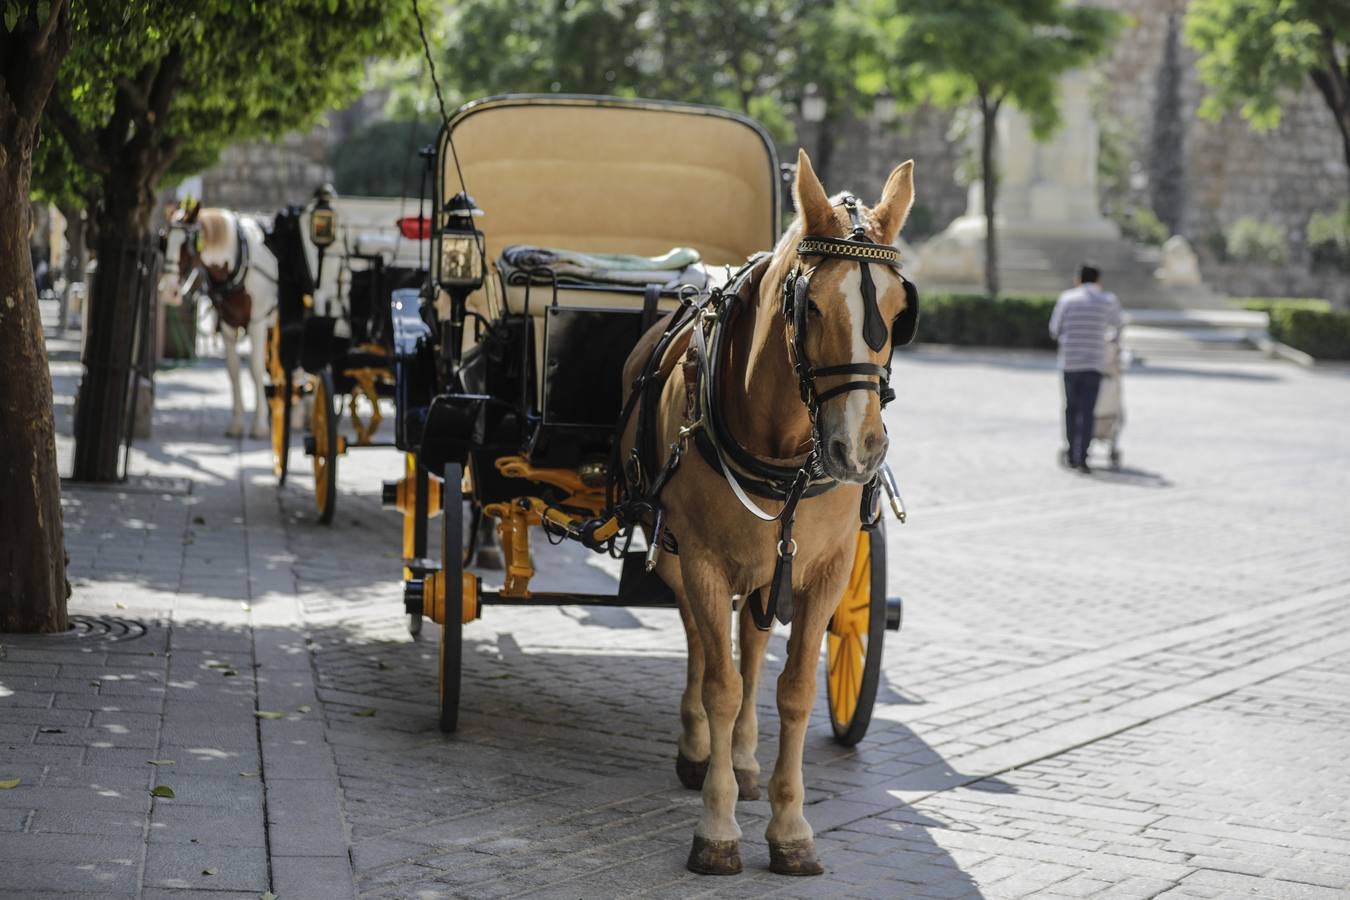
x: 33, y: 587
x: 988, y: 171
x: 114, y: 310
x: 1332, y: 81
x: 825, y: 143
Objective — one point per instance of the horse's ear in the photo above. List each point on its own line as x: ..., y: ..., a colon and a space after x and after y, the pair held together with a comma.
x: 896, y: 199
x: 812, y: 202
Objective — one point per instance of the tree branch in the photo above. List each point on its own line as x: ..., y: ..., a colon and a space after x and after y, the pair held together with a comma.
x: 164, y: 87
x: 45, y: 35
x: 81, y: 143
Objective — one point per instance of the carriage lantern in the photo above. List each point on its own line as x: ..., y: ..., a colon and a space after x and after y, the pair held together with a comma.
x: 461, y: 262
x: 323, y: 222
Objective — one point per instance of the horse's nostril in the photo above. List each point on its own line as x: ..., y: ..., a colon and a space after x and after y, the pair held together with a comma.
x: 839, y: 453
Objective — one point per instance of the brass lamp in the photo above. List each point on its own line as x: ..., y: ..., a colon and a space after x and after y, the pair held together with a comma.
x: 323, y: 223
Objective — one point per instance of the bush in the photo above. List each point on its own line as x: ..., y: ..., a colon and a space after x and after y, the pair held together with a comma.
x: 976, y: 320
x: 1329, y: 238
x: 1306, y: 324
x: 1139, y: 223
x: 1251, y: 240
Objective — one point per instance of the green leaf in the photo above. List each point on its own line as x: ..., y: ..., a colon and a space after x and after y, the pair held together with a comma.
x: 11, y: 17
x: 364, y: 713
x: 268, y: 714
x: 160, y: 762
x: 303, y: 709
x: 9, y: 783
x: 162, y: 790
x: 267, y: 895
x: 209, y: 871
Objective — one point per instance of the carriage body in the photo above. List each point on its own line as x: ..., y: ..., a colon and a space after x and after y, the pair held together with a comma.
x: 511, y: 389
x: 334, y: 324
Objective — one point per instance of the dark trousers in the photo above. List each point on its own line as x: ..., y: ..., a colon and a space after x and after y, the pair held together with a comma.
x: 1080, y: 400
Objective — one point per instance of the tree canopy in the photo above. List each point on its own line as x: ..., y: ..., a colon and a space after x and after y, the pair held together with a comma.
x: 1255, y: 53
x: 156, y: 88
x: 757, y: 56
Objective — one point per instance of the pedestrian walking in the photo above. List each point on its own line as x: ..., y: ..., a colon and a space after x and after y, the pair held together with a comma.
x: 1085, y: 319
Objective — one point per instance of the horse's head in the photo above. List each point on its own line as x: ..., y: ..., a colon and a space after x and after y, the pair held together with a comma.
x: 847, y: 306
x: 181, y: 252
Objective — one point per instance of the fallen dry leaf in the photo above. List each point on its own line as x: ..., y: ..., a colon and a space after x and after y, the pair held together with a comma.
x: 162, y: 790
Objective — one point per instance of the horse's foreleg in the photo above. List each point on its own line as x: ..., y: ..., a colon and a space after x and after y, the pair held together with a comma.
x: 745, y: 738
x: 791, y: 842
x: 236, y: 426
x: 716, y: 847
x: 691, y: 760
x: 257, y: 365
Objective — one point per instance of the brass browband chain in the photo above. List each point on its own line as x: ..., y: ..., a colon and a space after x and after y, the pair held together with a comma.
x: 849, y: 250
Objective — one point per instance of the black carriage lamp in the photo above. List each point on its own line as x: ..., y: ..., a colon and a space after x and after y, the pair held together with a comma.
x: 460, y: 255
x: 323, y: 223
x: 459, y: 264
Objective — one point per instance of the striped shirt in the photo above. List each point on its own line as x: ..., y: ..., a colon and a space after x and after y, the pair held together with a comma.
x: 1085, y: 318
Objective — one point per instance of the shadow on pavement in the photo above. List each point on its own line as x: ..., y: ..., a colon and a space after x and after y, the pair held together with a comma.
x: 566, y: 751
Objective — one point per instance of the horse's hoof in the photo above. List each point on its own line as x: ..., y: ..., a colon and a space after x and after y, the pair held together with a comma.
x: 794, y: 858
x: 691, y: 773
x: 747, y: 784
x: 714, y: 857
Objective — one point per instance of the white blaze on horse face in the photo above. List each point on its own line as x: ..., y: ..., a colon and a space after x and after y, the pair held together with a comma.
x: 855, y: 402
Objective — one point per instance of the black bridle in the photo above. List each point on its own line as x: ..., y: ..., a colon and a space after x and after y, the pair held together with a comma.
x: 859, y: 248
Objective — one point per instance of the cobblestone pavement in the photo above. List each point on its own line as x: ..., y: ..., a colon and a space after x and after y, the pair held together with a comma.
x: 1132, y: 684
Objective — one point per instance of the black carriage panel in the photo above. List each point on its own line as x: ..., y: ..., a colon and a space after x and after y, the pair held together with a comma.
x: 286, y: 241
x: 584, y: 354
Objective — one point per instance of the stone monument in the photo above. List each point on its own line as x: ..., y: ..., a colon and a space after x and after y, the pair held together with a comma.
x: 1047, y: 200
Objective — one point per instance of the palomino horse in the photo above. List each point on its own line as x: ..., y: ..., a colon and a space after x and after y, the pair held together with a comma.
x: 222, y: 253
x: 822, y: 422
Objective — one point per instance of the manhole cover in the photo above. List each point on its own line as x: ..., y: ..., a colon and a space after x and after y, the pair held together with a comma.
x: 108, y: 628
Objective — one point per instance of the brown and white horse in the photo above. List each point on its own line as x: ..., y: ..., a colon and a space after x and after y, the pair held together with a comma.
x: 724, y: 550
x: 222, y: 254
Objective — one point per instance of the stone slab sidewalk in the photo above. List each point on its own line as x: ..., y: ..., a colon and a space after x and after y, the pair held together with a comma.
x: 1126, y: 685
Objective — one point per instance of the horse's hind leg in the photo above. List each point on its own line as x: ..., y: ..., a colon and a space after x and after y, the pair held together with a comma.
x: 716, y: 846
x: 745, y: 738
x: 792, y: 849
x: 236, y: 427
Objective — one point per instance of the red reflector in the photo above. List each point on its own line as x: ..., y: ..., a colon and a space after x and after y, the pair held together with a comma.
x: 415, y: 228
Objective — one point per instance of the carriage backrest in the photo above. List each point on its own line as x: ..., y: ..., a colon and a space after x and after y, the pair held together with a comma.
x: 603, y: 174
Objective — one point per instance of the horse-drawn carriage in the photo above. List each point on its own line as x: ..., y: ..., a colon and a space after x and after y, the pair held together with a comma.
x: 509, y: 364
x: 338, y: 261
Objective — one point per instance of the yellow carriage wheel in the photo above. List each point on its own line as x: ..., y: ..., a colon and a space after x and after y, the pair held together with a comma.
x: 326, y: 449
x: 854, y: 641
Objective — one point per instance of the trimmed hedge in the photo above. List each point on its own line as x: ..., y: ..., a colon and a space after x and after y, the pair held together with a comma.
x: 1308, y: 325
x: 976, y: 320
